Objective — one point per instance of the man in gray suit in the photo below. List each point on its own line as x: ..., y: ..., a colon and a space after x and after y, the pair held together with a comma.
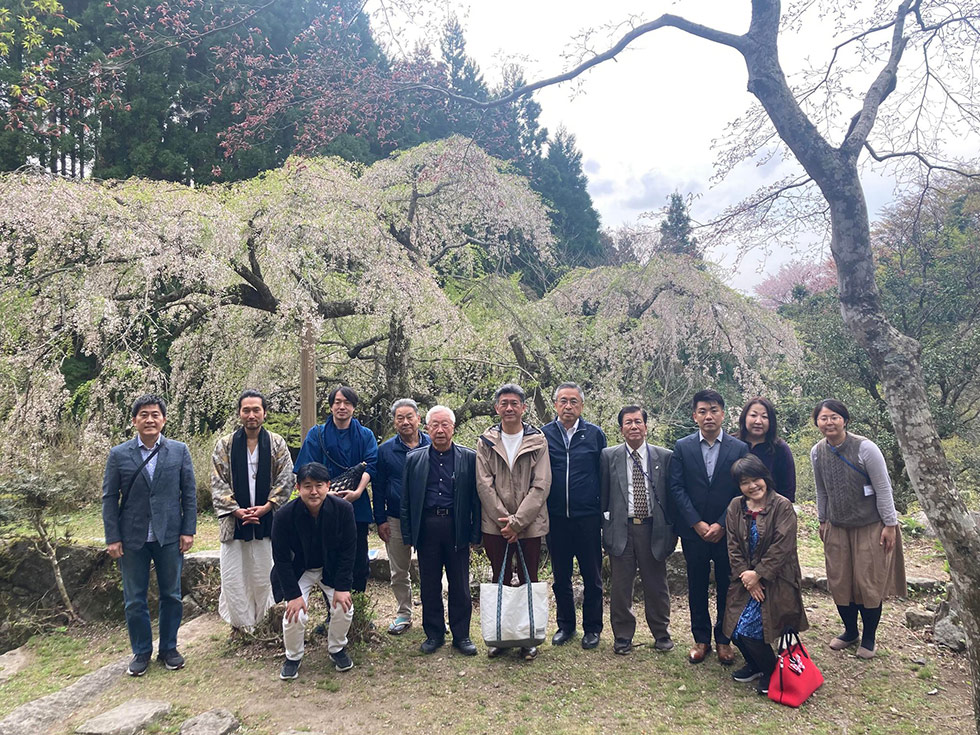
x: 149, y: 512
x: 636, y: 530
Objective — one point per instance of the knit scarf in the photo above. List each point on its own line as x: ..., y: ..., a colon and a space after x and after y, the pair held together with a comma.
x: 263, y: 483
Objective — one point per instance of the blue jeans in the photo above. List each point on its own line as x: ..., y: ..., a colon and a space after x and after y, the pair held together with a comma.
x: 135, y: 568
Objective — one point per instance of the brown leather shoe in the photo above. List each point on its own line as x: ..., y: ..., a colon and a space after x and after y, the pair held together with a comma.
x: 725, y: 654
x: 698, y: 652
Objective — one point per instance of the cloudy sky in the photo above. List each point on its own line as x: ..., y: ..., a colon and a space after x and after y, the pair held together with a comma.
x: 646, y: 122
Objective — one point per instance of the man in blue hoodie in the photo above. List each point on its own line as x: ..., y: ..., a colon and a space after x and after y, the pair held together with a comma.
x: 341, y: 443
x: 575, y: 446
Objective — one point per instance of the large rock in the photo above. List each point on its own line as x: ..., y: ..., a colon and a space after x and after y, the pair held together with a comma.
x: 379, y: 567
x: 212, y: 722
x: 947, y: 633
x: 128, y: 718
x: 38, y: 716
x: 918, y: 617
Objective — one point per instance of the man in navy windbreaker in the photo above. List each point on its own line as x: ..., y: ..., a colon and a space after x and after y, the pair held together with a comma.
x: 340, y: 443
x: 575, y: 446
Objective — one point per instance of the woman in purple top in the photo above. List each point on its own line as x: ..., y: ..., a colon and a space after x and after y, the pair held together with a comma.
x: 757, y: 428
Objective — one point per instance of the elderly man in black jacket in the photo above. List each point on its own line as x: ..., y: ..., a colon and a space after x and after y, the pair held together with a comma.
x: 440, y: 517
x: 314, y: 539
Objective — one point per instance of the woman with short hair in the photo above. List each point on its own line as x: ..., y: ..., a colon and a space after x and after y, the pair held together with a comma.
x: 858, y: 526
x: 764, y: 596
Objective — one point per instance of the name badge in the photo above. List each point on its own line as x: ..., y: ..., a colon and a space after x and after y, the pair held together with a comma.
x: 868, y: 491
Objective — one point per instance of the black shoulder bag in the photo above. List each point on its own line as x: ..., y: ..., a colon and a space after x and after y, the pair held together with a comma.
x: 129, y: 488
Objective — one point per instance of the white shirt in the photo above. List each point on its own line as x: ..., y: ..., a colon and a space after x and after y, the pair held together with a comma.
x: 569, y: 433
x: 150, y: 468
x: 253, y: 468
x: 642, y: 451
x: 512, y: 442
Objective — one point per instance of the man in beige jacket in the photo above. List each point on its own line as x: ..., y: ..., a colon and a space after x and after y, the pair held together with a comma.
x: 513, y: 478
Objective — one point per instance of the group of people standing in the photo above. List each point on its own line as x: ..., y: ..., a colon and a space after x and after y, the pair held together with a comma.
x: 729, y: 500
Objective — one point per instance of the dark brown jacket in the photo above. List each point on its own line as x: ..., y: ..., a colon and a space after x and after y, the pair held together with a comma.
x: 775, y: 560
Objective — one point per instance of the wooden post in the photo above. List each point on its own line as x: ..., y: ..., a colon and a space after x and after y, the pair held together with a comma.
x: 307, y: 379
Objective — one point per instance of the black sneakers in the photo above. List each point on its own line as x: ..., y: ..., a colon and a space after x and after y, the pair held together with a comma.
x: 341, y: 661
x: 171, y: 659
x: 139, y: 664
x: 746, y: 674
x: 290, y: 669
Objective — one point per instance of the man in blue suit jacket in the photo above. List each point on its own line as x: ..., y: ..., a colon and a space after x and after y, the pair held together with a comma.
x: 149, y: 512
x: 701, y: 487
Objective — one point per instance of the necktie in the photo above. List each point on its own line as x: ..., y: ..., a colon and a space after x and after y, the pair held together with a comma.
x: 640, y: 509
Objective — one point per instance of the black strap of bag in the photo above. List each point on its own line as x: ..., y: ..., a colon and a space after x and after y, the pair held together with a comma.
x: 129, y: 488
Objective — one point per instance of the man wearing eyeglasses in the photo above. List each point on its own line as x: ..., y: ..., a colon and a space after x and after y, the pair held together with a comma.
x: 636, y: 530
x: 574, y: 446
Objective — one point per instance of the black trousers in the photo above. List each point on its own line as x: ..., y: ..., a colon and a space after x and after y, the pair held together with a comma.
x: 436, y: 551
x: 699, y: 554
x: 360, y: 571
x: 569, y: 539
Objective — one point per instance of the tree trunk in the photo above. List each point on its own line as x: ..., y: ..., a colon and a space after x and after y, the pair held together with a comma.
x: 45, y: 547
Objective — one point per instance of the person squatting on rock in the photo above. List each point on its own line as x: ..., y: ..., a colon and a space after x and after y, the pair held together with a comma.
x: 251, y: 476
x: 314, y: 541
x: 149, y: 513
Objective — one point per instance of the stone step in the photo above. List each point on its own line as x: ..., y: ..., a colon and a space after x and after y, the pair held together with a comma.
x: 212, y: 722
x: 128, y: 718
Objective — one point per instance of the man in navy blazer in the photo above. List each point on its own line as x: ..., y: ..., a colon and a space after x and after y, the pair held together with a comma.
x: 701, y: 487
x: 149, y: 512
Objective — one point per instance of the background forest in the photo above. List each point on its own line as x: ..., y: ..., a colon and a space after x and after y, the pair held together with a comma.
x: 174, y: 226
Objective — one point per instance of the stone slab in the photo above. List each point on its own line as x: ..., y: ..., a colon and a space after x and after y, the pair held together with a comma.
x: 128, y: 718
x: 13, y: 661
x: 212, y: 722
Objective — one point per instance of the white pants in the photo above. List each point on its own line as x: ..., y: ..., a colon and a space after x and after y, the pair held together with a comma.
x: 294, y: 634
x: 400, y: 560
x: 246, y: 592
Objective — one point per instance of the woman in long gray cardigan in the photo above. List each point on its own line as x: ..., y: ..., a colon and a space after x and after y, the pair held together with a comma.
x: 764, y: 596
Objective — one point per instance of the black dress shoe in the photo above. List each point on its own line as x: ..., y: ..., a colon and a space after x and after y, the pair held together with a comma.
x: 431, y: 645
x: 622, y: 646
x: 561, y: 637
x: 465, y: 646
x: 590, y: 640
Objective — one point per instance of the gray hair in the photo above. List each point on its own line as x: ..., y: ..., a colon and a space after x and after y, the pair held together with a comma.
x: 436, y: 409
x: 401, y: 403
x: 572, y: 386
x: 510, y: 388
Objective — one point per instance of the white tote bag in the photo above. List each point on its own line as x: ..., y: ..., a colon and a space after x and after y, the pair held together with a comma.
x: 514, y: 616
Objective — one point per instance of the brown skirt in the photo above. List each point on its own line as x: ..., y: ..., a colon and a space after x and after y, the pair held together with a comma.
x: 858, y: 569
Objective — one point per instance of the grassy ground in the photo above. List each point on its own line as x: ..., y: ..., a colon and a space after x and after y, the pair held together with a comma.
x: 911, y: 687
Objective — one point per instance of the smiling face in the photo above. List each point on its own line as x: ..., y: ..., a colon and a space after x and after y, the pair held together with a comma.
x: 568, y: 406
x: 754, y: 489
x: 341, y: 409
x: 251, y: 413
x: 510, y: 408
x: 832, y: 425
x: 708, y: 415
x: 407, y: 423
x: 312, y: 493
x: 756, y: 423
x: 149, y: 421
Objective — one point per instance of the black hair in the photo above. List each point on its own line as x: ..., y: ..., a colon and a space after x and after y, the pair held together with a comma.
x: 831, y: 404
x: 510, y: 388
x: 751, y: 467
x: 149, y: 399
x: 312, y: 471
x: 630, y: 409
x: 707, y: 396
x: 251, y: 393
x: 743, y: 434
x: 347, y: 392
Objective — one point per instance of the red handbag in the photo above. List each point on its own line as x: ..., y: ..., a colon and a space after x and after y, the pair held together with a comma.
x: 795, y: 677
